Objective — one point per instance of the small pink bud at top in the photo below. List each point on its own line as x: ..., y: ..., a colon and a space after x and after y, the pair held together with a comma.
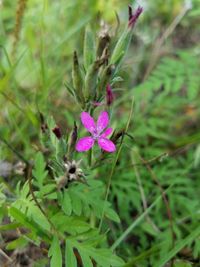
x: 134, y: 17
x: 57, y: 132
x: 109, y: 95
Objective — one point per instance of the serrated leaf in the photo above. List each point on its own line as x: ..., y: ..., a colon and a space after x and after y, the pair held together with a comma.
x: 103, y: 257
x: 55, y: 253
x: 39, y: 171
x: 70, y: 259
x: 66, y: 203
x: 85, y: 258
x: 27, y: 222
x: 76, y: 204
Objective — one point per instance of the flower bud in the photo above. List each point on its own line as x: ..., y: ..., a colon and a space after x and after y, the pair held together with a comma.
x: 109, y: 95
x: 133, y: 17
x: 124, y: 41
x: 57, y: 132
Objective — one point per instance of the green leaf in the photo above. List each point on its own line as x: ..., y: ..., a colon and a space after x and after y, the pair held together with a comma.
x: 89, y: 48
x: 135, y: 223
x: 112, y: 215
x: 55, y: 253
x: 39, y: 171
x: 181, y: 263
x: 17, y: 243
x: 76, y: 203
x: 77, y: 79
x: 66, y: 203
x: 27, y: 222
x: 85, y: 258
x: 179, y: 245
x: 71, y: 225
x: 121, y: 47
x: 103, y: 257
x: 70, y: 259
x: 10, y: 226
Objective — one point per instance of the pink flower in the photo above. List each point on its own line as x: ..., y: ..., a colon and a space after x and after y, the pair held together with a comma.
x: 97, y: 133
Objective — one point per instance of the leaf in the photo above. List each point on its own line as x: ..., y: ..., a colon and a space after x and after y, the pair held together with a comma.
x: 10, y: 226
x: 17, y: 243
x: 197, y: 157
x: 112, y: 215
x: 181, y: 263
x: 103, y: 257
x: 55, y: 253
x: 179, y: 245
x: 76, y: 203
x: 39, y: 171
x: 89, y: 48
x: 70, y: 259
x: 66, y: 203
x: 85, y: 258
x: 71, y: 225
x: 135, y: 223
x: 47, y: 189
x: 27, y: 222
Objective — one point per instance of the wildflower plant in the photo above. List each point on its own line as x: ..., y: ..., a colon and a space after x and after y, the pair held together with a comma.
x: 62, y: 204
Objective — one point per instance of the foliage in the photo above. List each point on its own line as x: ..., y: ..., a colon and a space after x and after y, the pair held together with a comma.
x: 136, y: 207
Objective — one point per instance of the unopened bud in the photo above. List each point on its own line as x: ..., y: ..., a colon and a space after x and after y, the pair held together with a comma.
x: 133, y: 17
x: 57, y: 132
x: 109, y: 95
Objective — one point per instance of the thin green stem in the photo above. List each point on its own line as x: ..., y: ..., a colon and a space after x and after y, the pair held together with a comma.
x: 114, y: 165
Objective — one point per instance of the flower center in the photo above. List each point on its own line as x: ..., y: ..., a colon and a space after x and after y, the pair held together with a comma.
x: 95, y: 134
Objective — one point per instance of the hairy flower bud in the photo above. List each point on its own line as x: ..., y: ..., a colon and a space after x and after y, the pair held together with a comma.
x: 124, y: 40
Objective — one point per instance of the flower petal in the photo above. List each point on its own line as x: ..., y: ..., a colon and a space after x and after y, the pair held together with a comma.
x: 106, y: 144
x: 84, y: 144
x: 103, y: 121
x: 107, y: 132
x: 88, y: 122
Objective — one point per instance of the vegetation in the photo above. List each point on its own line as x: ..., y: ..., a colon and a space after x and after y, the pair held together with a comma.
x: 132, y: 198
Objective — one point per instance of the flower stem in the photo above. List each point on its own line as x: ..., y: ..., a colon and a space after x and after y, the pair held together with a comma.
x: 90, y: 157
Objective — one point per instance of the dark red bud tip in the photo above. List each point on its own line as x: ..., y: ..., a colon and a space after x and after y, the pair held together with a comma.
x: 57, y: 132
x: 109, y: 95
x: 130, y: 12
x: 134, y: 17
x: 74, y: 133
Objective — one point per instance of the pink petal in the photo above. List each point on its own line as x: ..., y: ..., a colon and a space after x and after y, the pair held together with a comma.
x: 106, y: 144
x: 84, y: 143
x: 107, y: 132
x: 88, y: 122
x: 103, y: 121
